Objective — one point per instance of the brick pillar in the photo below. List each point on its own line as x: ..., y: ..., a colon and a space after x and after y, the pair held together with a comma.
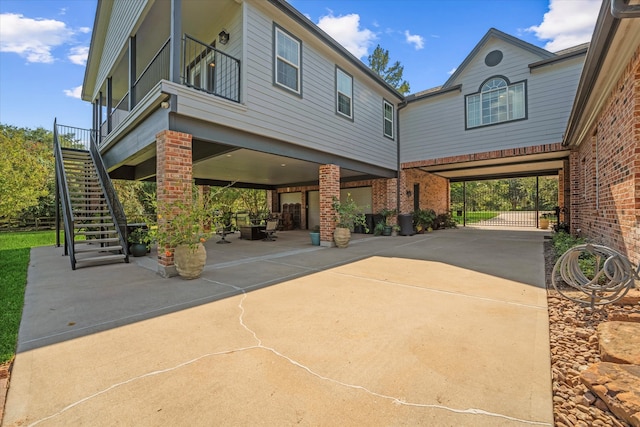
x: 329, y: 178
x: 392, y: 198
x: 272, y: 201
x: 174, y: 180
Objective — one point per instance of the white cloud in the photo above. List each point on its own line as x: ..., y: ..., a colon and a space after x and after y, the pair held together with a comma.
x: 451, y: 71
x: 32, y: 39
x: 78, y: 55
x: 76, y: 92
x: 346, y: 31
x: 414, y: 39
x: 567, y: 23
x: 84, y: 30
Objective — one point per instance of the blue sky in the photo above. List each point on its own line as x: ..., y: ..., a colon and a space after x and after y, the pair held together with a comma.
x: 44, y: 43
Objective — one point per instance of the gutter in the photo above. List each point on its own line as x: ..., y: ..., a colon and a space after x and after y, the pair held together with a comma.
x: 401, y: 105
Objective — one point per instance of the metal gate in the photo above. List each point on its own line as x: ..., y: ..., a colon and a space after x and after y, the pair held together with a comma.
x: 506, y: 202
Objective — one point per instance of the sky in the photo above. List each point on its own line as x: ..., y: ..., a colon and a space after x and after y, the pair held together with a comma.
x: 44, y: 43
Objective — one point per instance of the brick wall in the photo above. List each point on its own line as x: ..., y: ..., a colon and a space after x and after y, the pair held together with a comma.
x: 174, y: 181
x: 605, y: 170
x: 329, y: 180
x: 434, y: 191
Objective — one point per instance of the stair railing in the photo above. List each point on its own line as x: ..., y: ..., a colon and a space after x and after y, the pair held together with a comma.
x: 64, y: 199
x: 115, y: 207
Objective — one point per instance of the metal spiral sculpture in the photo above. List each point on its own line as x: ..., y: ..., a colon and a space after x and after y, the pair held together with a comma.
x: 611, y: 278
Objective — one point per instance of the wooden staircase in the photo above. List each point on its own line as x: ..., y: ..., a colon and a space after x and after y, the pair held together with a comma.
x: 95, y: 234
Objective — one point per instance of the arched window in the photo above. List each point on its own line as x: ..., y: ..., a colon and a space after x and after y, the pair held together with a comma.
x: 496, y: 102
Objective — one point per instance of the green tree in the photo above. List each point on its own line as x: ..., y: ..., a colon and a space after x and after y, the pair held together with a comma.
x: 378, y: 62
x: 26, y: 165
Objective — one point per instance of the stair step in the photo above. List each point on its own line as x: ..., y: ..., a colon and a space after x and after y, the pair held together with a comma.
x: 103, y: 224
x: 85, y: 248
x: 95, y: 220
x: 90, y: 211
x: 113, y: 257
x: 96, y: 233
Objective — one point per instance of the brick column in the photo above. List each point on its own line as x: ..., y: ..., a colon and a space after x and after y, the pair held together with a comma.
x: 329, y: 187
x: 173, y: 180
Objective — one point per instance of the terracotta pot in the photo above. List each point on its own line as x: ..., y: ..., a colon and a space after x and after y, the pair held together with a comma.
x: 342, y: 236
x: 190, y: 261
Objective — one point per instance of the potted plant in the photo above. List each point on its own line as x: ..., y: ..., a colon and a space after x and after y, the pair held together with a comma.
x: 423, y: 219
x: 395, y: 229
x: 182, y: 231
x: 386, y: 214
x: 544, y: 221
x: 378, y: 230
x: 347, y: 215
x: 315, y: 235
x: 140, y: 240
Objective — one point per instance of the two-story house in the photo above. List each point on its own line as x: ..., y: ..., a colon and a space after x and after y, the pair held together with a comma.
x: 251, y: 92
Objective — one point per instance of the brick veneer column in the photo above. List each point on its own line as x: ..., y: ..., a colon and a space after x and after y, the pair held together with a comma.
x: 329, y: 178
x: 174, y: 180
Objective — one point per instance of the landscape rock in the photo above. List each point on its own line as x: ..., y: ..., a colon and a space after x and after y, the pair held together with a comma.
x: 619, y: 342
x: 631, y: 298
x: 626, y: 317
x: 618, y: 386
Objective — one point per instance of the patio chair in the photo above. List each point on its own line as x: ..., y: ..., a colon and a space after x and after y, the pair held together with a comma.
x: 270, y: 230
x: 223, y: 230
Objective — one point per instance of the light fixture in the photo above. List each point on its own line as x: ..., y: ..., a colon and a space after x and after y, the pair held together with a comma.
x: 223, y: 36
x: 408, y: 193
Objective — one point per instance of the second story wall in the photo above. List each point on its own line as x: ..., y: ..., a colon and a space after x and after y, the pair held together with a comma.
x: 436, y: 126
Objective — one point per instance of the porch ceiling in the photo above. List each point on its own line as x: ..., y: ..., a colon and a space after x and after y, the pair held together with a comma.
x: 248, y: 166
x: 513, y: 166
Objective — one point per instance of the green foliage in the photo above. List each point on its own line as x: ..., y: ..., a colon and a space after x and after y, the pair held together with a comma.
x: 562, y: 242
x: 423, y: 218
x: 386, y: 214
x: 378, y: 229
x: 26, y: 162
x: 140, y: 235
x: 348, y: 214
x: 444, y: 220
x: 378, y: 62
x: 13, y: 270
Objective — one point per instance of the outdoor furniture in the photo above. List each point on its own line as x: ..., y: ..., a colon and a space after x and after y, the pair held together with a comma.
x: 251, y: 232
x: 270, y: 229
x: 223, y: 230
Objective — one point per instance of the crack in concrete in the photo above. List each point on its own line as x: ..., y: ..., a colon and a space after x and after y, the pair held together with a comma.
x: 259, y: 345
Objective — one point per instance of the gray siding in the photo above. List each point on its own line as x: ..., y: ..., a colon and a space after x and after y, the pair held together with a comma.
x: 122, y: 20
x: 435, y: 127
x: 310, y: 120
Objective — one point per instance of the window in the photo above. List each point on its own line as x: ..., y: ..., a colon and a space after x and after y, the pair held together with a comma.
x: 344, y: 93
x: 287, y: 61
x: 388, y: 119
x: 497, y: 102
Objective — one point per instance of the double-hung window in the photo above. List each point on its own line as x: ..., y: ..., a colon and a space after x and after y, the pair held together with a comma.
x: 388, y: 119
x: 344, y: 93
x: 498, y: 101
x: 287, y: 60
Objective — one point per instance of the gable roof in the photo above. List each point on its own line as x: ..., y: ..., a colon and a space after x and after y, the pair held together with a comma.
x: 493, y: 33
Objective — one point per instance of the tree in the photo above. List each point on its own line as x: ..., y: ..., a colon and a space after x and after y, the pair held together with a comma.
x: 27, y: 169
x: 378, y: 62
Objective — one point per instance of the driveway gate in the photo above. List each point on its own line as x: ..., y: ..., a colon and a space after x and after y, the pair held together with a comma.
x: 511, y: 202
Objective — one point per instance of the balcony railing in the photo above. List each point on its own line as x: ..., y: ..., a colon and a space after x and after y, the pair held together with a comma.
x: 158, y: 69
x: 203, y: 67
x: 210, y: 70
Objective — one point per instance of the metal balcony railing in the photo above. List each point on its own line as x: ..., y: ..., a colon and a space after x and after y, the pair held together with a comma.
x: 210, y: 70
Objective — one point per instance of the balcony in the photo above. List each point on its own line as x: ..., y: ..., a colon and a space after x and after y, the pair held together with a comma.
x: 203, y: 67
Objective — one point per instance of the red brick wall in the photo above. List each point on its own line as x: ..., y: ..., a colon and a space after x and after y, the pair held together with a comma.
x: 605, y: 170
x: 174, y: 181
x: 329, y: 188
x: 434, y: 191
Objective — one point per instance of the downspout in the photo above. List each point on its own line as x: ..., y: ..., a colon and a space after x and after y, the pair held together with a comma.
x: 622, y: 10
x: 398, y: 173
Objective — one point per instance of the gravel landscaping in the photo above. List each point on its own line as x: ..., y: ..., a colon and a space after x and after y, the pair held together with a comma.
x: 574, y: 347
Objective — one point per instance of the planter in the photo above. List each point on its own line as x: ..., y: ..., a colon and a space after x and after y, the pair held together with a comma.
x: 342, y: 236
x: 138, y: 249
x: 544, y: 223
x: 315, y: 239
x: 190, y: 261
x: 387, y: 230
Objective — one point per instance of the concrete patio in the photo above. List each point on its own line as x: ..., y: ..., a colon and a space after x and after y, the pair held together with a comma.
x: 446, y: 328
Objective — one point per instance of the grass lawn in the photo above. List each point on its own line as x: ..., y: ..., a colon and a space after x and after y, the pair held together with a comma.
x: 473, y: 217
x: 14, y: 260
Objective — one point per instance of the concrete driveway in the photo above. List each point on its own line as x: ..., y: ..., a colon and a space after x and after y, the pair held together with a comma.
x: 442, y: 329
